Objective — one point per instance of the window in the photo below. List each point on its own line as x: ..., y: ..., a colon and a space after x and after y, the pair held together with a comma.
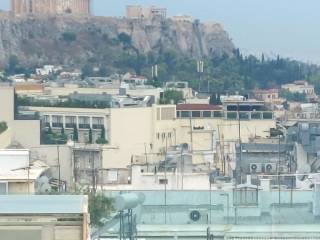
x: 232, y: 115
x: 255, y: 115
x: 84, y: 122
x: 196, y: 114
x: 244, y: 115
x: 217, y: 114
x: 163, y: 181
x: 46, y: 119
x: 206, y: 114
x: 71, y: 121
x: 267, y: 115
x: 57, y: 121
x: 185, y: 114
x: 3, y: 188
x: 97, y: 122
x: 163, y: 136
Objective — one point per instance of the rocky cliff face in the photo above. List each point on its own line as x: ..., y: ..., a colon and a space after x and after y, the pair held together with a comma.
x: 70, y: 40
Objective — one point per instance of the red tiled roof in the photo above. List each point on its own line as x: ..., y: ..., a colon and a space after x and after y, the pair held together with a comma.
x: 28, y: 87
x: 197, y: 107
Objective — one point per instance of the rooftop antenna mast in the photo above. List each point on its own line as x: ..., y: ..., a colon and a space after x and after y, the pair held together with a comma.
x: 240, y: 145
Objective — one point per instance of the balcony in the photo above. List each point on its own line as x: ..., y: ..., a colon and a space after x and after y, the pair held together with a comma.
x: 97, y: 126
x: 84, y: 126
x: 57, y: 125
x: 232, y: 115
x: 71, y: 125
x: 256, y: 115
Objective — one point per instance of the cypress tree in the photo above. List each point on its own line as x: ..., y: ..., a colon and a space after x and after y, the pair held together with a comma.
x: 90, y: 136
x: 75, y: 134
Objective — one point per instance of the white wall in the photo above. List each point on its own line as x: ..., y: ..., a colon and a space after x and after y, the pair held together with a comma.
x: 49, y: 155
x: 13, y: 159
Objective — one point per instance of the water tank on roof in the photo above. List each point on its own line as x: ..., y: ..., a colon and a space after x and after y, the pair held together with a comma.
x: 128, y: 201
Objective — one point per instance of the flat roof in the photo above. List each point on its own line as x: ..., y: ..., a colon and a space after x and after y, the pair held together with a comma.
x: 25, y: 173
x: 43, y: 204
x: 229, y: 230
x: 198, y: 107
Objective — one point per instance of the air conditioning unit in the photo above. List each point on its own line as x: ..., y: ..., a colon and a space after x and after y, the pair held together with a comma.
x: 255, y: 167
x: 198, y: 216
x: 270, y: 167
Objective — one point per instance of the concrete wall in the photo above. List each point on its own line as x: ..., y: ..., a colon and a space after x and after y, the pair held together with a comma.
x: 49, y: 154
x: 20, y: 188
x: 7, y: 104
x: 41, y: 231
x: 176, y: 181
x: 26, y: 132
x: 228, y: 130
x: 130, y: 130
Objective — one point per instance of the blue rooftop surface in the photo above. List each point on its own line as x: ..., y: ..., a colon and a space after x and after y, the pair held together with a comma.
x: 43, y: 204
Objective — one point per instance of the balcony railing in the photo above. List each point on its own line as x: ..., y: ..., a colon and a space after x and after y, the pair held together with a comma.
x: 57, y: 125
x: 233, y: 115
x: 71, y: 125
x: 97, y: 126
x: 84, y: 126
x: 229, y: 115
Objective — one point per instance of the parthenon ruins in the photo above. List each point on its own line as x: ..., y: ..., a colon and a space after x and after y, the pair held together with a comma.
x: 54, y: 7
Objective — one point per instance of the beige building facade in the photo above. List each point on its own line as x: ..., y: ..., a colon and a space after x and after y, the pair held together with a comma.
x: 209, y: 131
x: 24, y: 131
x: 149, y: 131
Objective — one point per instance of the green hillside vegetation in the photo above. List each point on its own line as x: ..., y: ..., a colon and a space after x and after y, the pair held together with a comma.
x: 232, y: 73
x: 222, y: 73
x: 3, y: 127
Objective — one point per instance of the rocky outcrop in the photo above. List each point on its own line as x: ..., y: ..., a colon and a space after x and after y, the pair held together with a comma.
x: 72, y: 40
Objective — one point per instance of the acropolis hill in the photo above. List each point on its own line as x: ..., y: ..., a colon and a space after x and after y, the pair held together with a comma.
x: 73, y: 39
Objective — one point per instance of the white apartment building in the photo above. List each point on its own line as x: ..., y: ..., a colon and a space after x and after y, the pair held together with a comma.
x: 300, y: 87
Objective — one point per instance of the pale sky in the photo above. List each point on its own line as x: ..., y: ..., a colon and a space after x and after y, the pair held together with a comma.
x: 286, y: 27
